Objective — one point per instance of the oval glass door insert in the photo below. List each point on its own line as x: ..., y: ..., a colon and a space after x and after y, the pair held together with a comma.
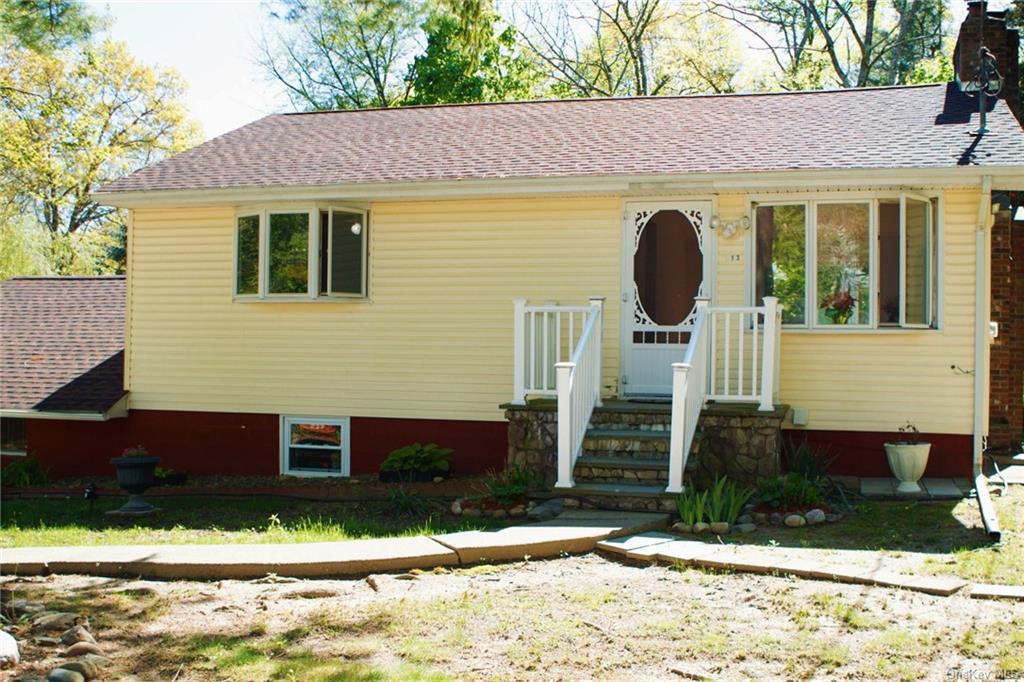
x: 668, y: 269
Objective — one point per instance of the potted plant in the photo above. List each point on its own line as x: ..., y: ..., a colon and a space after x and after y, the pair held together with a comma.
x: 415, y: 463
x: 136, y: 472
x: 908, y: 458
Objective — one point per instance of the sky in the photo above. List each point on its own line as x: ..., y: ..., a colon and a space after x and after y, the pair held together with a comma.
x: 213, y: 44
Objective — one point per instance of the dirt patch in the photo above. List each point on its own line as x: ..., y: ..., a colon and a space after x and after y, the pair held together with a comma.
x: 577, y: 618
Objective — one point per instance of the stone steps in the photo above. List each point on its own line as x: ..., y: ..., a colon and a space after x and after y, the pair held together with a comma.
x: 617, y: 469
x: 623, y: 496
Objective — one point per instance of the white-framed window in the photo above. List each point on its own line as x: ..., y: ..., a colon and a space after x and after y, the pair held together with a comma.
x: 849, y: 263
x: 315, y: 446
x: 301, y: 253
x: 13, y: 438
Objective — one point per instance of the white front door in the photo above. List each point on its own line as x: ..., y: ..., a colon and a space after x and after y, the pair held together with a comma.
x: 666, y: 261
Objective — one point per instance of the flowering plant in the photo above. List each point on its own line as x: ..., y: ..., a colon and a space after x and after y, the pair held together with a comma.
x: 135, y: 451
x: 838, y: 306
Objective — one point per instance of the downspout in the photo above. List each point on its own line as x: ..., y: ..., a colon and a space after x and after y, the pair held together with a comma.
x: 982, y: 339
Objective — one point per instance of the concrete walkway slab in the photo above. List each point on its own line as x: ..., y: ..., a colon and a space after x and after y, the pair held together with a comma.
x: 306, y: 560
x: 632, y: 543
x: 754, y: 559
x: 986, y: 591
x: 570, y: 533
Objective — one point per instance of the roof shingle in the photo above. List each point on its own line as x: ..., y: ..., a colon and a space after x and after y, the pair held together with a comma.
x: 926, y: 126
x: 61, y: 343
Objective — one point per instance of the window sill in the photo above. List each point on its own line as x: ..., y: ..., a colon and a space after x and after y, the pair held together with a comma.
x: 332, y: 300
x: 885, y: 331
x: 14, y: 453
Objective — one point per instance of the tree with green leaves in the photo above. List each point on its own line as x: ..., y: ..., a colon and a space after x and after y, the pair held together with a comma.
x: 469, y: 61
x: 343, y: 54
x: 43, y: 25
x: 72, y: 120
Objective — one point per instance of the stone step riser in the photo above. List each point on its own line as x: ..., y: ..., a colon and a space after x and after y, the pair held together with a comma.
x: 652, y: 504
x: 656, y: 422
x: 635, y: 447
x: 585, y: 474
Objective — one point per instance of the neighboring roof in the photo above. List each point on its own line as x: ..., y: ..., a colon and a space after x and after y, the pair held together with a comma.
x: 61, y: 343
x: 925, y: 126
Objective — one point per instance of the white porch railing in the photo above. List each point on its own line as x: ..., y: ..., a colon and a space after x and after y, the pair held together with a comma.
x: 689, y: 383
x: 545, y: 335
x: 579, y: 391
x: 744, y: 348
x: 722, y: 337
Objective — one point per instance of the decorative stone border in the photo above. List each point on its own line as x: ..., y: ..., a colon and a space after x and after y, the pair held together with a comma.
x: 749, y: 522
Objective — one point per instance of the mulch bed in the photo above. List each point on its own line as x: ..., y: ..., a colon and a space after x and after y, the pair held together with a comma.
x: 355, y: 488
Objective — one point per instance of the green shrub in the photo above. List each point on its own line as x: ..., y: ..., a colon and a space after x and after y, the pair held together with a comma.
x: 23, y: 472
x: 811, y: 463
x: 511, y: 484
x: 404, y: 501
x: 690, y: 504
x: 419, y: 458
x: 726, y: 501
x: 792, y: 491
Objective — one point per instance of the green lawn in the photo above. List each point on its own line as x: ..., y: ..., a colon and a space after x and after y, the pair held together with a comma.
x: 207, y: 520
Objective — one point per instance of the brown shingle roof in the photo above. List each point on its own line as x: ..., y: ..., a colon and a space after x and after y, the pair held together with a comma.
x: 897, y: 127
x: 61, y: 343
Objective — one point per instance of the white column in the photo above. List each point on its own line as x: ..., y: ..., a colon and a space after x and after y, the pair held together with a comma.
x: 563, y: 382
x: 680, y: 378
x: 597, y: 304
x: 519, y: 351
x: 771, y: 353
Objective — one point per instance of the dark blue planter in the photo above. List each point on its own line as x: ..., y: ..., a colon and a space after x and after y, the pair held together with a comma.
x: 135, y: 475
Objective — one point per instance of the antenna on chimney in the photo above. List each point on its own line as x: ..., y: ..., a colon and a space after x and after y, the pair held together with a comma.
x: 987, y: 82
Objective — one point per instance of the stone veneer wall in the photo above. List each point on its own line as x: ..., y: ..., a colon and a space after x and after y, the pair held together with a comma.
x: 737, y: 442
x: 733, y: 440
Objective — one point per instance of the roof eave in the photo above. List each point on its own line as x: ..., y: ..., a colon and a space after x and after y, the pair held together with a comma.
x: 116, y: 411
x: 1004, y: 176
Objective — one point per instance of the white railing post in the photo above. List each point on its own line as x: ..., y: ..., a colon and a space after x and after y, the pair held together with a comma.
x: 677, y: 438
x: 597, y: 304
x: 563, y: 383
x: 771, y: 353
x: 519, y: 351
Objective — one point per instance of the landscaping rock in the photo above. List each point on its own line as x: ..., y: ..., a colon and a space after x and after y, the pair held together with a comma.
x: 89, y: 666
x: 547, y: 510
x: 815, y: 516
x: 720, y: 528
x: 30, y: 678
x: 456, y: 507
x: 82, y: 648
x: 744, y: 528
x: 760, y: 518
x: 775, y: 519
x: 21, y: 607
x: 744, y: 518
x: 77, y: 634
x: 65, y: 675
x: 832, y: 518
x: 795, y: 520
x: 499, y: 513
x: 700, y: 527
x: 517, y: 511
x: 681, y: 527
x: 46, y: 641
x: 471, y: 511
x: 438, y: 479
x: 9, y: 654
x: 58, y: 620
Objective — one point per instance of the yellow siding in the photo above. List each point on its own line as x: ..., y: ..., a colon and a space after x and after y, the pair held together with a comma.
x: 435, y: 342
x: 436, y: 339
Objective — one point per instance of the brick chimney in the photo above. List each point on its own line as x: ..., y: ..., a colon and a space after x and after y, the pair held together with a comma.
x: 988, y: 27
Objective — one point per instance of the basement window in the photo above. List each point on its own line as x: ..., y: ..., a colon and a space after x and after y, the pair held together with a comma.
x: 13, y: 439
x: 295, y: 255
x: 315, y: 446
x: 849, y: 264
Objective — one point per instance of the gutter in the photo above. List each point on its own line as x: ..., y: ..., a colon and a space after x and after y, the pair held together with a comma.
x: 982, y: 340
x: 1009, y: 176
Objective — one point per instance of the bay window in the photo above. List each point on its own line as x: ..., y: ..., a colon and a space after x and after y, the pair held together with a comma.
x: 849, y: 264
x: 300, y: 254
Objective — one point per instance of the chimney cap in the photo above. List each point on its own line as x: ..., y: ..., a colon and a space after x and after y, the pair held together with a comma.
x: 976, y: 7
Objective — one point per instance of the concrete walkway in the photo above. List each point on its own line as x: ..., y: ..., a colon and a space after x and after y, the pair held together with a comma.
x: 658, y: 546
x: 573, y: 531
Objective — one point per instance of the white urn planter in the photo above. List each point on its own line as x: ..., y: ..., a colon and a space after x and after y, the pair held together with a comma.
x: 907, y: 462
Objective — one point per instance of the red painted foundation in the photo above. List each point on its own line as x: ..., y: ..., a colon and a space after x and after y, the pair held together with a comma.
x: 860, y: 453
x: 219, y: 443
